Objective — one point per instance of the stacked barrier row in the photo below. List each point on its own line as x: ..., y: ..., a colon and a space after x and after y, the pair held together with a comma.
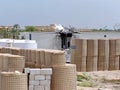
x: 63, y: 75
x: 96, y: 54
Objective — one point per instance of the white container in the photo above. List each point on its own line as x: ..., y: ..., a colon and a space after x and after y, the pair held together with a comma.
x: 26, y: 44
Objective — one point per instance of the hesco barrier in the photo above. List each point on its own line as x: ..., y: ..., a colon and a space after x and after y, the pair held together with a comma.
x: 92, y: 47
x: 37, y: 58
x: 95, y: 54
x: 64, y: 77
x: 58, y: 58
x: 11, y: 63
x: 13, y: 81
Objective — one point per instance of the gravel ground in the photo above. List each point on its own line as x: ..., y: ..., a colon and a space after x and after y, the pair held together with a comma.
x: 100, y: 80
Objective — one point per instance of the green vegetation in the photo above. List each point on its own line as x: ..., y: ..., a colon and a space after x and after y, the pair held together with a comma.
x: 4, y: 34
x: 105, y: 30
x: 85, y: 80
x: 30, y: 29
x: 116, y: 81
x: 83, y: 76
x: 86, y: 84
x: 15, y: 31
x: 102, y: 30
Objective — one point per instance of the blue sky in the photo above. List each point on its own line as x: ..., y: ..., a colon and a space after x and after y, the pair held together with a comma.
x: 77, y: 13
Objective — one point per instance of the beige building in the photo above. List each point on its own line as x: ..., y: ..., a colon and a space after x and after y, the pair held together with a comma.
x: 6, y: 27
x: 85, y: 30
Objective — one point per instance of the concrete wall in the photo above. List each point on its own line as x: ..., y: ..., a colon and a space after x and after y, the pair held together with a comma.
x: 51, y: 40
x: 46, y: 40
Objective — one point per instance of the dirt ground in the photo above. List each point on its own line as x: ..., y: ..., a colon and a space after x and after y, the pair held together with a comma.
x: 99, y: 80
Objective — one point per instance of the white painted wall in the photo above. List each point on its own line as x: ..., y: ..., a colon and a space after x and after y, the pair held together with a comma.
x: 46, y: 40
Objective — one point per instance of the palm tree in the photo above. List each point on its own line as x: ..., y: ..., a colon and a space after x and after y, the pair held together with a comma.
x: 16, y: 27
x: 15, y: 31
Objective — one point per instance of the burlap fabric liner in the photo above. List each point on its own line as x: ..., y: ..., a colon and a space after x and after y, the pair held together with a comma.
x: 58, y: 58
x: 73, y: 51
x: 15, y: 51
x: 105, y: 51
x: 38, y: 58
x: 92, y: 47
x: 30, y: 64
x: 12, y: 63
x: 64, y: 77
x: 13, y: 81
x: 117, y: 46
x: 80, y: 47
x: 16, y: 62
x: 114, y: 63
x: 103, y: 47
x: 45, y: 58
x: 112, y: 47
x: 48, y: 58
x: 101, y: 63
